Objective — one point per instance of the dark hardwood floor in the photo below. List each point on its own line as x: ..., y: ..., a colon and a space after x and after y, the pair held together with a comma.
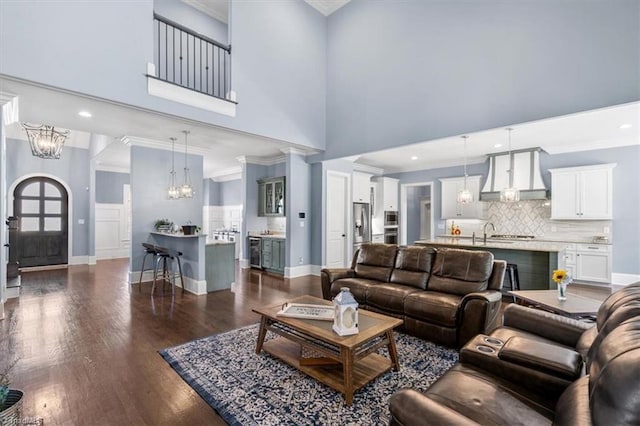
x: 88, y: 343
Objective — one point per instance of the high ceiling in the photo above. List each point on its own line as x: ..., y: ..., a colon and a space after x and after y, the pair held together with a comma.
x: 221, y: 147
x: 601, y: 128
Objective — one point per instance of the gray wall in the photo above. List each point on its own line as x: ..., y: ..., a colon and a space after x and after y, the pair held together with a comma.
x: 316, y: 213
x: 226, y: 193
x: 415, y: 194
x: 72, y: 168
x: 626, y: 196
x: 109, y: 187
x: 279, y: 60
x: 197, y: 21
x: 298, y: 201
x: 149, y: 181
x: 401, y: 72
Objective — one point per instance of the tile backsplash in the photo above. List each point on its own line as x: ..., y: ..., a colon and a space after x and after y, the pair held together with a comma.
x: 532, y: 217
x: 277, y: 224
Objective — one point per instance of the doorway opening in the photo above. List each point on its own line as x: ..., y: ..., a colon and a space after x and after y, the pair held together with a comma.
x: 416, y: 213
x: 41, y: 238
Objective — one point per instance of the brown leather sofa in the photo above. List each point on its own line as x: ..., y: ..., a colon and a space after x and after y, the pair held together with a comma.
x: 443, y: 295
x: 536, y: 377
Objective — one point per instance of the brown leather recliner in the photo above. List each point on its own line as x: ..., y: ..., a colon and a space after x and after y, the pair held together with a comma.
x: 530, y: 379
x: 444, y: 295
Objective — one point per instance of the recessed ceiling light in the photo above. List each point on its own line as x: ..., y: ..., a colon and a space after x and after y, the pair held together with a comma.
x: 85, y: 114
x: 498, y: 145
x: 625, y: 126
x: 414, y: 157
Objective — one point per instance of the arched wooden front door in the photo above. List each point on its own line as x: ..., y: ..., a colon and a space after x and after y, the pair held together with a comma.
x: 42, y: 239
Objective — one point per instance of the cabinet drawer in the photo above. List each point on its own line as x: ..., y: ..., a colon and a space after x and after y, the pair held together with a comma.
x: 570, y: 257
x: 596, y: 248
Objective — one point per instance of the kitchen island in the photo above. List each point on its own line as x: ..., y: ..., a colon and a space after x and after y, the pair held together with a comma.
x: 536, y: 260
x: 192, y: 259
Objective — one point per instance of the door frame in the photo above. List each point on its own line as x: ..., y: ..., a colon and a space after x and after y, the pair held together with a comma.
x: 403, y: 209
x: 11, y: 199
x: 347, y: 216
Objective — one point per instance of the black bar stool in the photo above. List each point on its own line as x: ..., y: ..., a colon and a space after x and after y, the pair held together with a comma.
x: 168, y: 257
x: 149, y: 249
x: 514, y: 278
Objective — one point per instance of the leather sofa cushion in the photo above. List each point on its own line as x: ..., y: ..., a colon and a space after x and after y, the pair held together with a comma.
x: 357, y: 286
x: 486, y: 399
x: 375, y: 261
x: 505, y: 333
x: 548, y: 358
x: 614, y: 376
x: 573, y: 406
x: 435, y: 307
x: 460, y: 271
x: 389, y: 297
x: 413, y: 265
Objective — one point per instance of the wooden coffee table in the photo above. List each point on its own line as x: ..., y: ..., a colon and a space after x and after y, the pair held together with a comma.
x: 357, y: 354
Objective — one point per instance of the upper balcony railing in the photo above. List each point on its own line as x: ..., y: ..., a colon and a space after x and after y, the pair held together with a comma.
x: 191, y: 60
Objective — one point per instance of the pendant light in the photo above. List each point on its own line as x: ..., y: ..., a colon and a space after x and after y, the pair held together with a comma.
x: 186, y: 190
x: 173, y: 191
x: 465, y: 196
x: 510, y: 194
x: 45, y: 141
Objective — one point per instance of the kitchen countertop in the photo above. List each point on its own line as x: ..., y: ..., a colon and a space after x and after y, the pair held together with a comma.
x: 536, y: 245
x: 167, y: 234
x: 260, y: 235
x: 536, y: 239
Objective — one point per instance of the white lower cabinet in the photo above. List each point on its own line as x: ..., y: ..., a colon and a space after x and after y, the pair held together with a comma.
x: 588, y: 262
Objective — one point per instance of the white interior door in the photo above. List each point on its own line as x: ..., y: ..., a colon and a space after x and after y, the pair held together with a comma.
x: 337, y: 219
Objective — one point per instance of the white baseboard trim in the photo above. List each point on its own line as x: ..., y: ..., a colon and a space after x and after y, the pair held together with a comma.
x: 198, y: 287
x: 111, y: 254
x: 244, y: 263
x: 12, y: 292
x: 78, y: 260
x: 301, y: 271
x: 624, y: 279
x: 92, y: 260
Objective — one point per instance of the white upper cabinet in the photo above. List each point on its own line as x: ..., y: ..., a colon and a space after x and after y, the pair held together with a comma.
x: 582, y: 193
x: 361, y: 187
x: 451, y: 208
x: 386, y: 194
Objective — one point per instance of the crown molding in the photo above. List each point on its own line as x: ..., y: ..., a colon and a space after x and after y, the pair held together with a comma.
x: 262, y: 161
x: 297, y: 151
x: 231, y: 173
x: 10, y: 108
x: 115, y: 168
x: 165, y: 146
x: 357, y: 167
x: 326, y: 7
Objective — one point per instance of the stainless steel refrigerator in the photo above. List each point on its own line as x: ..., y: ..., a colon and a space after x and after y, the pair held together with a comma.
x: 361, y: 224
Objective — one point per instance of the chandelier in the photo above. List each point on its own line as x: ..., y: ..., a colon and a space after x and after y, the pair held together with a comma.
x: 465, y: 196
x: 173, y: 191
x: 510, y: 193
x: 186, y: 190
x: 45, y: 141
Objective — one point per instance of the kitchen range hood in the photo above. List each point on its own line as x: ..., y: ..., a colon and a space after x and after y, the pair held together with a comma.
x: 526, y: 175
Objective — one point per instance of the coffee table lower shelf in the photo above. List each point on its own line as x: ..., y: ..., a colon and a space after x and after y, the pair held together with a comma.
x: 364, y: 370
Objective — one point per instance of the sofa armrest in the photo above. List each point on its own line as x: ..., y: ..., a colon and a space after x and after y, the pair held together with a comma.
x: 410, y: 407
x: 328, y: 276
x: 478, y: 313
x: 563, y: 330
x: 486, y: 354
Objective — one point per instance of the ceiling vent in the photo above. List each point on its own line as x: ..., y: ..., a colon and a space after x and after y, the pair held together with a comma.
x: 526, y: 175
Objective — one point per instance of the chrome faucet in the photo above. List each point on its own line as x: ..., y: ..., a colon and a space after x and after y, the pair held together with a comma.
x: 485, y: 230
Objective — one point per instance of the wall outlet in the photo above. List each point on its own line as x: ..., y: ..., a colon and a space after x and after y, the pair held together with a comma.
x: 606, y: 230
x: 300, y: 260
x: 302, y: 224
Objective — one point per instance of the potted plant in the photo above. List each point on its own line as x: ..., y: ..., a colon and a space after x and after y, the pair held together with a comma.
x: 10, y: 400
x: 190, y: 229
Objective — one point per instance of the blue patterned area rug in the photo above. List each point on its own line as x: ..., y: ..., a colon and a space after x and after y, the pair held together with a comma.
x: 249, y: 389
